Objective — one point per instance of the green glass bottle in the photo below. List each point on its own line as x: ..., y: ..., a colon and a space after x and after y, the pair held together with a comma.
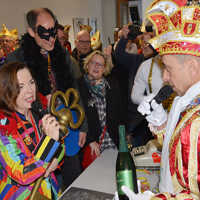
x: 125, y: 167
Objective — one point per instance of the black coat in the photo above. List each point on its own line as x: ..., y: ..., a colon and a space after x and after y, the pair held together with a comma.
x: 29, y: 53
x: 80, y: 59
x: 115, y: 114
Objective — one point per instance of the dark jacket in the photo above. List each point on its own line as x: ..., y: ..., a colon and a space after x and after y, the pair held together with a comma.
x: 29, y: 53
x: 80, y: 59
x: 127, y: 66
x: 129, y: 62
x: 114, y: 111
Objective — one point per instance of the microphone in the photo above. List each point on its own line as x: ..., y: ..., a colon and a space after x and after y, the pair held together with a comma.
x: 163, y: 94
x: 36, y: 107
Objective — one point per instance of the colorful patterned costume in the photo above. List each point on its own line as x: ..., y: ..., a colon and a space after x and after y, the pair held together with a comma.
x: 24, y: 157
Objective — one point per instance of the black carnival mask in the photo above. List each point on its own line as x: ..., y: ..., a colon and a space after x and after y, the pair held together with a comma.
x: 46, y: 33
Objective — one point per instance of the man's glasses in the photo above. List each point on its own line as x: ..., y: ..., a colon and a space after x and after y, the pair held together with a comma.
x: 84, y: 41
x: 97, y: 64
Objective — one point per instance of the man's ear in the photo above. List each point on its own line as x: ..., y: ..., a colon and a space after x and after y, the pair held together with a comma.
x: 31, y: 32
x: 193, y: 65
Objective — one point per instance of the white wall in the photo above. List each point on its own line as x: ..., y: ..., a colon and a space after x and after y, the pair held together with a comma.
x: 12, y: 12
x: 109, y: 15
x: 145, y: 5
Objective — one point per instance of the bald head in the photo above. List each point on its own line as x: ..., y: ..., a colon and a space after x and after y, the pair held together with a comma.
x: 42, y: 27
x: 83, y: 42
x: 83, y: 34
x: 32, y: 16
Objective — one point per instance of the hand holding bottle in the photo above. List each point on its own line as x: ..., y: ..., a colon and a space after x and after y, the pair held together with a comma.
x: 140, y: 196
x: 133, y: 196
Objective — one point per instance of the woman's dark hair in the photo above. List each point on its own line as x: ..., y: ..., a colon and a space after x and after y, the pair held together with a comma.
x: 9, y: 86
x: 31, y: 16
x: 60, y: 27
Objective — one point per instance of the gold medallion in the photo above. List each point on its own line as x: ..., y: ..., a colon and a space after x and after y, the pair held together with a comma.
x: 28, y: 140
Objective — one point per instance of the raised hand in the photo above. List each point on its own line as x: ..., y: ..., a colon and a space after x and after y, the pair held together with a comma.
x: 50, y: 126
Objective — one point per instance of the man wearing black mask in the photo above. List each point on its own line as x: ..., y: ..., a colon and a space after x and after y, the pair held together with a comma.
x: 51, y: 66
x: 40, y: 48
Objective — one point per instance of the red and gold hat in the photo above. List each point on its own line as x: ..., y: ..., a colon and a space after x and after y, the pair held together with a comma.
x: 176, y: 25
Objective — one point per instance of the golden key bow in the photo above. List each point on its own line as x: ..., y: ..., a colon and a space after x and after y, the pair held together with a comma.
x: 64, y: 115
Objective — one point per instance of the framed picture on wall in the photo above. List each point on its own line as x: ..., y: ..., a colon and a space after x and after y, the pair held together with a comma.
x: 77, y: 22
x: 122, y: 12
x: 93, y: 24
x: 135, y: 11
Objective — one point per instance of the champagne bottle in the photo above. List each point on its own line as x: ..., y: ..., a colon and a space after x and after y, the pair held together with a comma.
x: 125, y: 167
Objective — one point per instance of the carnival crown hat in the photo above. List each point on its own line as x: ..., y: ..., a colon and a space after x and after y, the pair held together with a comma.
x: 176, y: 26
x: 5, y: 32
x: 86, y: 27
x: 67, y: 28
x: 165, y: 6
x: 96, y: 41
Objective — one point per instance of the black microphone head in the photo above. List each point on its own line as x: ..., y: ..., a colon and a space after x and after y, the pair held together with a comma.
x: 36, y: 107
x: 163, y: 93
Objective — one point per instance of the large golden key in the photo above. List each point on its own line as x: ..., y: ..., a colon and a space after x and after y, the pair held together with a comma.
x: 64, y: 115
x: 65, y: 119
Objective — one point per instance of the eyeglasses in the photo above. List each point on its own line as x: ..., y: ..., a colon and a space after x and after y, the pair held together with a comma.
x: 96, y: 64
x: 84, y: 41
